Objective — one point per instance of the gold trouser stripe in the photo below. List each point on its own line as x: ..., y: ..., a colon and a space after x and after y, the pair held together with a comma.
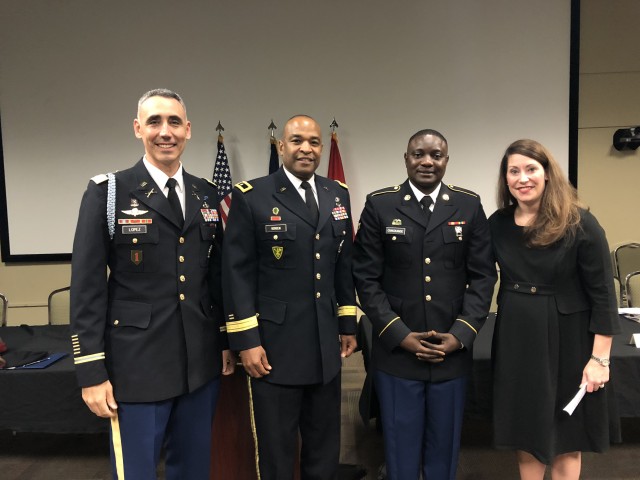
x: 242, y: 325
x: 397, y: 318
x: 346, y: 310
x: 117, y: 446
x: 468, y: 325
x: 253, y: 426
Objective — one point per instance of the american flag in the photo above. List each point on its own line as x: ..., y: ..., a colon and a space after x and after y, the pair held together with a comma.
x: 222, y: 178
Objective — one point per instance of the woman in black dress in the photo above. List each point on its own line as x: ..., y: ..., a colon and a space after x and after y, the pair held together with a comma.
x: 556, y: 317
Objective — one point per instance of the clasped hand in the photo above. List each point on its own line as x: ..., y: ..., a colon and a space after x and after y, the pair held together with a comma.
x: 430, y: 346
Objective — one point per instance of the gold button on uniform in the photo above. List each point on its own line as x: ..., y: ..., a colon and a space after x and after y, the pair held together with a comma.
x: 393, y: 238
x: 427, y: 279
x: 317, y: 236
x: 317, y: 294
x: 182, y: 278
x: 275, y: 237
x: 181, y: 240
x: 318, y: 276
x: 181, y: 259
x: 134, y: 240
x: 534, y: 289
x: 116, y: 322
x: 317, y: 256
x: 182, y: 297
x: 428, y: 298
x: 427, y: 260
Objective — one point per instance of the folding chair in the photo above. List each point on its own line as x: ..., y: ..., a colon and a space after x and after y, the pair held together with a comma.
x: 59, y: 307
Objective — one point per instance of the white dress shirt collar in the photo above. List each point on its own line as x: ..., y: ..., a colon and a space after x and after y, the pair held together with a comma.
x: 419, y: 195
x: 161, y: 178
x: 297, y: 184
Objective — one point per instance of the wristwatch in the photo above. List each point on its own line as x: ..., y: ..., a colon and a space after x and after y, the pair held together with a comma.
x: 605, y: 362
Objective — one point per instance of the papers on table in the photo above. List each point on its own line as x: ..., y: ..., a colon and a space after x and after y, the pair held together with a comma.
x: 632, y: 314
x: 45, y: 362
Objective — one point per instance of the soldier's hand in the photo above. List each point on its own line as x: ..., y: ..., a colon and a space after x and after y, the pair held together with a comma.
x: 416, y: 343
x: 254, y: 361
x: 228, y: 362
x: 348, y: 344
x: 99, y: 399
x: 444, y: 342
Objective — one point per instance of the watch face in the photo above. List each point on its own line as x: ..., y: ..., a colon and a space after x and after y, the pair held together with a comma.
x: 605, y: 362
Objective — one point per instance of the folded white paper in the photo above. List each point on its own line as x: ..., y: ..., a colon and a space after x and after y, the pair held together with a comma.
x: 634, y: 340
x: 629, y: 310
x: 571, y: 406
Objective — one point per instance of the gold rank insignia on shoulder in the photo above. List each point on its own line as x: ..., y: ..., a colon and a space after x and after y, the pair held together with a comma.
x: 396, y: 221
x: 277, y: 252
x: 462, y: 190
x: 382, y: 191
x: 243, y: 186
x: 343, y: 185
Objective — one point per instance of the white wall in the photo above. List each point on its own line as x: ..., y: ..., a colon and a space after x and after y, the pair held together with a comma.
x: 483, y: 73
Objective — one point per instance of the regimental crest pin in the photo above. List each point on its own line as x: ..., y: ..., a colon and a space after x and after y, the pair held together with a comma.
x: 458, y: 232
x: 396, y: 221
x: 275, y: 210
x: 277, y: 252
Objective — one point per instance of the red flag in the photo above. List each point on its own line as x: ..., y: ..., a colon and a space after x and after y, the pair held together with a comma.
x: 336, y: 172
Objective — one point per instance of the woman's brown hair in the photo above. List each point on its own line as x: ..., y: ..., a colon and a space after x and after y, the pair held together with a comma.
x: 559, y: 213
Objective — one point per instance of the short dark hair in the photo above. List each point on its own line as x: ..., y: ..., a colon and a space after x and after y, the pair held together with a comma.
x: 161, y: 92
x: 427, y: 131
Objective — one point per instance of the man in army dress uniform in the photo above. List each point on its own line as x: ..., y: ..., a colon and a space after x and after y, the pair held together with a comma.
x: 148, y: 340
x: 424, y: 273
x: 290, y: 299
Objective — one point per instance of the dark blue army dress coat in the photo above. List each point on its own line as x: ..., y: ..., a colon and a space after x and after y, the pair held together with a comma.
x: 288, y: 282
x: 411, y: 277
x: 153, y: 328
